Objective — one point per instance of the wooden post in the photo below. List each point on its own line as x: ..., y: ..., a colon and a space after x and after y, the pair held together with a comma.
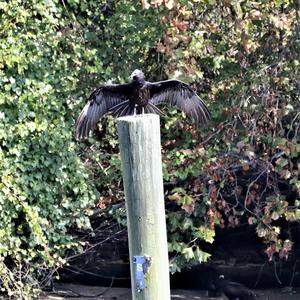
x: 139, y: 138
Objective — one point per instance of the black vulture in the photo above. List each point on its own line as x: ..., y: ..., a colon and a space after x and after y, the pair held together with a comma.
x: 139, y: 96
x: 234, y: 290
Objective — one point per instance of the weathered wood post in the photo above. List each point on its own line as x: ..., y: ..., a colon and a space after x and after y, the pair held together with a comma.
x: 139, y: 138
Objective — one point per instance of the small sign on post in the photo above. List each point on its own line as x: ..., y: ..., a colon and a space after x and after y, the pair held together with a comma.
x: 142, y: 264
x: 140, y: 147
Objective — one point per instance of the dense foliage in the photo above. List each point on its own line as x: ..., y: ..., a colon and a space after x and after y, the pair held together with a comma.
x: 52, y: 55
x: 243, y: 59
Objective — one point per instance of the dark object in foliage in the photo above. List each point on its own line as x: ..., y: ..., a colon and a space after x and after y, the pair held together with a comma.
x: 234, y: 290
x: 201, y: 276
x: 139, y: 96
x: 208, y: 280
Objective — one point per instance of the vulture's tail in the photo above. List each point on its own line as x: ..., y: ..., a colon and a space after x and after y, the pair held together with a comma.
x: 121, y: 109
x: 152, y: 109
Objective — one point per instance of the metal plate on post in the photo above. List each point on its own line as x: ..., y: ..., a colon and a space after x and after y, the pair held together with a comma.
x: 142, y: 264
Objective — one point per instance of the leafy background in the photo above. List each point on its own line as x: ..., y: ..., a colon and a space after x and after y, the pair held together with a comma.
x: 242, y: 57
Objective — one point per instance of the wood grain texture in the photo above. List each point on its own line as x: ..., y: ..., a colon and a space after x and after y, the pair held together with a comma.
x: 140, y: 147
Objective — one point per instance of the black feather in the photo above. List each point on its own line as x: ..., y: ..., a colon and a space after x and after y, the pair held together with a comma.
x: 139, y: 96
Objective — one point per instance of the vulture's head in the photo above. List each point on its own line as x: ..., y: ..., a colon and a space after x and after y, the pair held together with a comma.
x: 138, y: 75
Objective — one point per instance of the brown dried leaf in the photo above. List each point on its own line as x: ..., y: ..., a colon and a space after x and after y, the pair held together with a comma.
x: 189, y: 208
x: 250, y: 220
x: 145, y: 4
x: 246, y: 167
x: 187, y: 151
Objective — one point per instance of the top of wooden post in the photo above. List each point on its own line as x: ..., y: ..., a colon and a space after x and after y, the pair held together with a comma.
x: 138, y: 117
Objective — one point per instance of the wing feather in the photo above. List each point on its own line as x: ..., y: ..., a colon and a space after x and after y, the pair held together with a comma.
x: 99, y: 103
x: 179, y: 94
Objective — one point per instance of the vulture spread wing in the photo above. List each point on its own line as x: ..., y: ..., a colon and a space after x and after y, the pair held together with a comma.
x: 175, y: 92
x: 101, y: 101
